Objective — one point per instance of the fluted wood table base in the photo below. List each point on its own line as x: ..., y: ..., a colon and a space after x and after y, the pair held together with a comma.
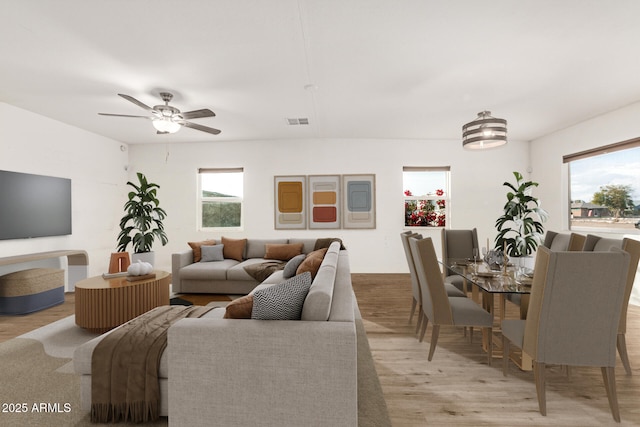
x: 102, y: 305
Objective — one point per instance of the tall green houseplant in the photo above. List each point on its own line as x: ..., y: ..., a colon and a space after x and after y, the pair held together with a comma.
x: 520, y: 228
x: 142, y: 223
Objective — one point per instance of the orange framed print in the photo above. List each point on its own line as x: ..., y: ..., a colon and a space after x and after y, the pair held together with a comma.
x: 290, y: 207
x: 359, y: 201
x: 324, y: 201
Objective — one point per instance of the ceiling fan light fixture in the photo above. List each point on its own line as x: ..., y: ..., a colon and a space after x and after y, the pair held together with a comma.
x: 166, y: 125
x: 484, y: 132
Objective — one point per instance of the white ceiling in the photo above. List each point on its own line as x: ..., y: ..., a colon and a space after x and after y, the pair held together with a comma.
x: 378, y: 68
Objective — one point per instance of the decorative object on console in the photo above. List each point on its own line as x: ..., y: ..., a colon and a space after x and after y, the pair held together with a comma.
x: 290, y: 208
x: 359, y: 201
x: 324, y: 201
x: 520, y: 229
x: 142, y: 223
x: 140, y: 268
x: 484, y: 132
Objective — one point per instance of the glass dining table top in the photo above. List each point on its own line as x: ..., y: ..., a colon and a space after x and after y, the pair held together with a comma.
x: 498, y: 282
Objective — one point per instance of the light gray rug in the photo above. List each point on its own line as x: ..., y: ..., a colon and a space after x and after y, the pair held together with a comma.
x: 40, y: 387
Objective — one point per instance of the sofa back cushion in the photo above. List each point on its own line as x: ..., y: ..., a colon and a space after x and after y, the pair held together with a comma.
x: 308, y: 244
x: 256, y: 248
x: 317, y: 305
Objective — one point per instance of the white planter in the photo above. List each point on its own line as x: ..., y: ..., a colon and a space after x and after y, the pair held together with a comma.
x: 149, y: 257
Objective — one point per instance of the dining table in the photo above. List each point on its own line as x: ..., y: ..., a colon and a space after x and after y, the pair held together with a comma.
x: 487, y: 284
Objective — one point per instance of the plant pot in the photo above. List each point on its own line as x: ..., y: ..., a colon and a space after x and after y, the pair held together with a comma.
x: 149, y: 257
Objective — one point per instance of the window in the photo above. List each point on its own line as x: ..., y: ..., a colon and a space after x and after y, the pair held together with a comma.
x: 604, y: 187
x: 220, y: 196
x: 426, y: 196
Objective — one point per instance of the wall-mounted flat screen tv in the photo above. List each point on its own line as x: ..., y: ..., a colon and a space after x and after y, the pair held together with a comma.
x: 34, y: 206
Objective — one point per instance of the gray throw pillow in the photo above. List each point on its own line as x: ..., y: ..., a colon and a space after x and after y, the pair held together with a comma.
x: 283, y: 301
x: 212, y: 253
x: 292, y: 265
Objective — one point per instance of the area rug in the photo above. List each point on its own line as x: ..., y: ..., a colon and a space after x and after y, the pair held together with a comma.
x: 40, y: 388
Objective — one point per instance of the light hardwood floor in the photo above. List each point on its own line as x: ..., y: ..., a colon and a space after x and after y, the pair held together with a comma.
x: 457, y: 387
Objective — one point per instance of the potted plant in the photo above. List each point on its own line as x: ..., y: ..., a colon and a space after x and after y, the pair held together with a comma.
x: 142, y: 223
x: 520, y: 228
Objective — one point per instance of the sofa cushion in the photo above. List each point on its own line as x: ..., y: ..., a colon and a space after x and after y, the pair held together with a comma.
x: 292, y: 266
x: 308, y: 243
x: 262, y: 270
x: 240, y: 308
x: 256, y: 248
x: 234, y: 248
x: 283, y: 252
x: 212, y: 253
x: 195, y: 247
x: 283, y: 301
x: 208, y: 270
x: 312, y: 262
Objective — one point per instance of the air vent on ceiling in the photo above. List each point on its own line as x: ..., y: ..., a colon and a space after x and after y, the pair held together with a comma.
x: 298, y: 121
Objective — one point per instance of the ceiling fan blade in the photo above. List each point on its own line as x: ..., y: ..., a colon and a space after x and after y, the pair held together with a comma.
x: 199, y: 127
x: 135, y: 101
x: 196, y: 114
x: 125, y: 115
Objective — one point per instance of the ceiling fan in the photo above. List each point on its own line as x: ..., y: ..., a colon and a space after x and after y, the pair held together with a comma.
x: 168, y: 119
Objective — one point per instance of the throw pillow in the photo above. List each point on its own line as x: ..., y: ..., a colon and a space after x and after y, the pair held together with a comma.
x: 262, y: 270
x: 292, y: 266
x: 212, y: 253
x: 283, y: 301
x: 312, y: 262
x: 326, y: 242
x: 239, y: 308
x: 234, y: 248
x: 283, y: 252
x: 195, y: 247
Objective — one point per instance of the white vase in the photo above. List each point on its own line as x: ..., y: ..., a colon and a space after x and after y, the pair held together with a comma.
x: 149, y: 257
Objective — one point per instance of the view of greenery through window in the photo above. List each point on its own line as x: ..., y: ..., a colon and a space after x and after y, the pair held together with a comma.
x: 221, y: 198
x: 425, y: 196
x: 605, y: 190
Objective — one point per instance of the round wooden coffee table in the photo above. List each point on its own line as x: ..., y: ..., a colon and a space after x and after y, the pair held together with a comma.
x: 103, y: 304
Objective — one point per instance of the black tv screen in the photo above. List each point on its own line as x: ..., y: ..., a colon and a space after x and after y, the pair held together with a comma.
x: 34, y: 206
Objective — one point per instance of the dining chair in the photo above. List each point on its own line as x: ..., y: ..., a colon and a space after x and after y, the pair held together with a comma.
x: 458, y: 245
x: 596, y: 243
x: 439, y: 308
x: 589, y: 323
x: 415, y: 285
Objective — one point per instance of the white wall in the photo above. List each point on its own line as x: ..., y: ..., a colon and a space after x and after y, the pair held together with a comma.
x: 476, y: 188
x: 552, y: 174
x: 31, y: 143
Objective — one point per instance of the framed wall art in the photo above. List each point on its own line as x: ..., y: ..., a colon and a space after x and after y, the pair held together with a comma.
x: 290, y: 207
x: 359, y: 201
x: 324, y: 201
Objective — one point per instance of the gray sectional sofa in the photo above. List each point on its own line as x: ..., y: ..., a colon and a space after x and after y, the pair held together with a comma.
x: 229, y: 275
x: 242, y: 372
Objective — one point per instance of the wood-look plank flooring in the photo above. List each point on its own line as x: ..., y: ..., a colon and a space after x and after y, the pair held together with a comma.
x: 457, y: 387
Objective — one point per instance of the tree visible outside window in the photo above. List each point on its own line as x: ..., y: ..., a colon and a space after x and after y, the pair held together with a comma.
x: 220, y: 196
x: 605, y: 187
x: 426, y: 196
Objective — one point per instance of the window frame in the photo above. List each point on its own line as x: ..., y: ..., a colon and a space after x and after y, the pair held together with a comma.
x: 431, y: 198
x: 201, y: 200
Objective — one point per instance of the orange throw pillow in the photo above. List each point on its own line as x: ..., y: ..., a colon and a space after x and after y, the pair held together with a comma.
x: 284, y: 251
x: 240, y: 308
x: 312, y: 262
x: 233, y: 248
x: 196, y: 247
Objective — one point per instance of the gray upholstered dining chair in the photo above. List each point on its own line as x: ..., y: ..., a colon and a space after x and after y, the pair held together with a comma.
x: 596, y: 243
x: 583, y: 292
x: 439, y: 308
x: 457, y: 245
x: 415, y: 284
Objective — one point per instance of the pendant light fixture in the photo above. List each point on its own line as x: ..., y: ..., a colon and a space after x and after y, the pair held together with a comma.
x: 484, y: 132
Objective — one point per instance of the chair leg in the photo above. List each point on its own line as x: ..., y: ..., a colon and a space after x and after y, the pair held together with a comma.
x: 538, y: 373
x: 425, y: 322
x: 434, y: 340
x: 419, y: 322
x: 490, y: 346
x: 414, y: 303
x: 505, y: 355
x: 609, y: 377
x: 622, y: 349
